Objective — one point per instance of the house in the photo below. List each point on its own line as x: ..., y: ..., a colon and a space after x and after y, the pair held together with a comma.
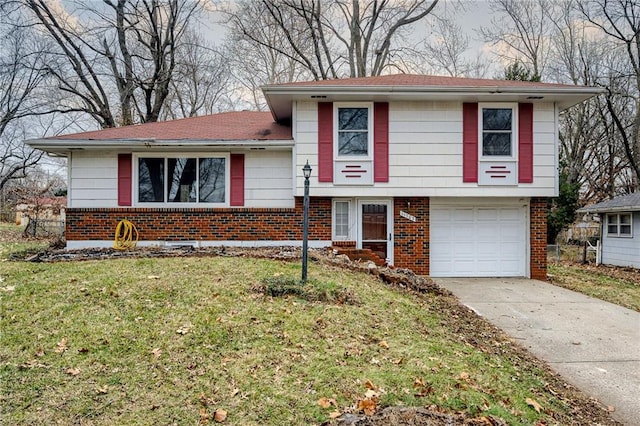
x: 446, y: 176
x: 43, y: 208
x: 620, y: 229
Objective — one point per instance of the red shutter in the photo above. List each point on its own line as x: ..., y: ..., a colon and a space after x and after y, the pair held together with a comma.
x: 124, y: 179
x: 325, y: 142
x: 525, y: 143
x: 470, y: 142
x: 381, y: 142
x: 236, y: 197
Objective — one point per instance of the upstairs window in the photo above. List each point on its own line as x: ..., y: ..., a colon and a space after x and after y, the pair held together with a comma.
x: 353, y: 128
x: 497, y: 137
x: 182, y: 180
x: 619, y: 225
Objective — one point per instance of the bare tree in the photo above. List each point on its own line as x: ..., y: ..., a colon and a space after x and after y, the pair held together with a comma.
x: 125, y: 48
x: 619, y: 20
x: 520, y: 32
x: 200, y: 83
x: 332, y: 39
x: 20, y: 79
x: 446, y: 52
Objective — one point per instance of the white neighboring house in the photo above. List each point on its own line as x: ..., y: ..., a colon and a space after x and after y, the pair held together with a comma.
x: 620, y: 229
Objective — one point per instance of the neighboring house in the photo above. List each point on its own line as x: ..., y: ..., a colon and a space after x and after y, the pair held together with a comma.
x: 620, y: 232
x: 446, y: 176
x: 42, y: 208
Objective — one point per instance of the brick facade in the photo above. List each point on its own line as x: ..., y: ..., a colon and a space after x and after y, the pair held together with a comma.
x: 538, y: 237
x: 411, y: 245
x: 203, y: 224
x: 411, y: 248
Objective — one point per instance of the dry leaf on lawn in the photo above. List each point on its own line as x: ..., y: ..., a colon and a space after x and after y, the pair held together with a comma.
x: 335, y: 414
x: 73, y: 371
x: 368, y: 406
x: 62, y: 346
x: 532, y: 402
x: 220, y: 415
x: 384, y: 344
x: 324, y: 402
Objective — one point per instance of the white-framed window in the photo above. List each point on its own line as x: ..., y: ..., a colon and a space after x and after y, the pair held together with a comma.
x: 181, y: 180
x: 497, y: 130
x: 353, y: 130
x: 619, y: 225
x: 341, y: 220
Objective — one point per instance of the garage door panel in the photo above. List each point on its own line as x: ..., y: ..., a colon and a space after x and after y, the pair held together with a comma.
x: 478, y: 241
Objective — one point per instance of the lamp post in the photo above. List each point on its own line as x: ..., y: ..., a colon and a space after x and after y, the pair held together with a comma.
x: 306, y: 171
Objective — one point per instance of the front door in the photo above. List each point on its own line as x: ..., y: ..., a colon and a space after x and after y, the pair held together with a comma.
x: 376, y: 228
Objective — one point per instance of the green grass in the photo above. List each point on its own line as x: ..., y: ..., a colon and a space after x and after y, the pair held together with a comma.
x: 609, y: 284
x: 12, y: 243
x: 159, y: 341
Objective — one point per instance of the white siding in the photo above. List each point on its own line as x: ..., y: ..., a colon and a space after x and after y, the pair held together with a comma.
x: 622, y: 251
x: 268, y: 179
x: 94, y: 179
x: 425, y: 153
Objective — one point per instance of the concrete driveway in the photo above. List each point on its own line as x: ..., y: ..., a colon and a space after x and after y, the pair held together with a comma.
x: 594, y: 345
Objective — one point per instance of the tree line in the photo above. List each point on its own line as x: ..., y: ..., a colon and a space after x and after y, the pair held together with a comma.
x: 76, y: 64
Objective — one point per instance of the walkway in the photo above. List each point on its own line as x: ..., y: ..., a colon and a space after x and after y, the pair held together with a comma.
x: 594, y: 345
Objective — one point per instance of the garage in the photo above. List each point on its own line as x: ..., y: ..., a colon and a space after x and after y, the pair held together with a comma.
x: 478, y: 240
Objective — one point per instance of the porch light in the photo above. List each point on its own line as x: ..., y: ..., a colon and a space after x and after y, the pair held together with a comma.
x: 306, y: 171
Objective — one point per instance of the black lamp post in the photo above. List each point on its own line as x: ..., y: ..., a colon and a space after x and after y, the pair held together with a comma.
x: 306, y: 171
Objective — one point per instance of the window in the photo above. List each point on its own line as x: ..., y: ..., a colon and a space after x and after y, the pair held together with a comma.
x: 353, y: 131
x: 182, y: 180
x: 341, y: 220
x: 619, y: 225
x: 497, y: 132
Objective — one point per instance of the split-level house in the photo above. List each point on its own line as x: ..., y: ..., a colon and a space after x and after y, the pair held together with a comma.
x: 446, y: 176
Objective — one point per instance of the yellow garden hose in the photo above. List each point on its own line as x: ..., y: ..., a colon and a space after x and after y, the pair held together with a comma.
x: 126, y: 235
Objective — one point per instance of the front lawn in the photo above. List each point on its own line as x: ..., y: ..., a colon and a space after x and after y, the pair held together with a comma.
x: 613, y: 284
x: 194, y: 340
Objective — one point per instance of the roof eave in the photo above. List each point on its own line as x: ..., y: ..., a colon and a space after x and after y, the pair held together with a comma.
x: 630, y: 208
x: 564, y: 96
x: 63, y: 146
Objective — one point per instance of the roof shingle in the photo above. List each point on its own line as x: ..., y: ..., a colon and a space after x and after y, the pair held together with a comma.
x: 239, y: 125
x: 629, y: 202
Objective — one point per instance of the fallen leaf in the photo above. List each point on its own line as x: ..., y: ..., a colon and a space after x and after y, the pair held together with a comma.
x: 103, y: 390
x: 533, y: 403
x: 397, y: 361
x: 220, y: 415
x: 611, y: 408
x: 374, y: 361
x: 153, y: 277
x: 383, y: 344
x: 335, y: 414
x: 83, y: 350
x: 324, y: 402
x: 204, y: 417
x: 73, y: 371
x: 39, y: 352
x: 156, y: 352
x: 464, y: 376
x: 62, y: 346
x: 369, y: 385
x: 368, y: 406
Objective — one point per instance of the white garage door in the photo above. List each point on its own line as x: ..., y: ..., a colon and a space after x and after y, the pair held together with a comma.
x: 473, y: 241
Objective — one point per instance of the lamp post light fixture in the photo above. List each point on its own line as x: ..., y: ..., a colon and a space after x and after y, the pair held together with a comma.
x: 306, y: 171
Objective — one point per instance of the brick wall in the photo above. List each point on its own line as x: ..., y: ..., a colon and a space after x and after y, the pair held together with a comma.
x: 188, y: 224
x: 538, y: 238
x: 411, y: 248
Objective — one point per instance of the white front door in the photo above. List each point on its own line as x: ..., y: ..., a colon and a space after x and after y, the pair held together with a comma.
x: 375, y: 227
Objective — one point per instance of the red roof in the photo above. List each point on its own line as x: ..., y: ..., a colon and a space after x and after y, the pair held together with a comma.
x: 419, y: 80
x: 241, y: 125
